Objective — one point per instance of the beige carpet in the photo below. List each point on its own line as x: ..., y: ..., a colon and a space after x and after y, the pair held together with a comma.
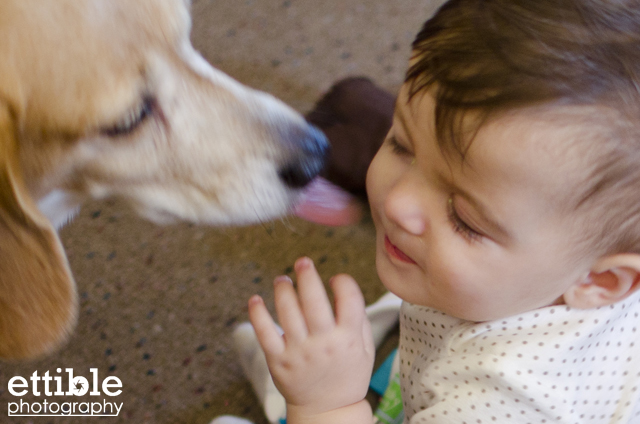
x: 158, y: 304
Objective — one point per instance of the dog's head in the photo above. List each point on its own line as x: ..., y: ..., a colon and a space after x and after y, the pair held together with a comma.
x: 108, y: 98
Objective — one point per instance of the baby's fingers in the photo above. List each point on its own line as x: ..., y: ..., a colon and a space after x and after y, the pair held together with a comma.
x: 266, y: 331
x: 313, y: 298
x: 288, y: 309
x: 349, y: 302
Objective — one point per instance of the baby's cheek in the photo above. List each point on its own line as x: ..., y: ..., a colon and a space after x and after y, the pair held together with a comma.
x: 371, y: 177
x: 459, y: 293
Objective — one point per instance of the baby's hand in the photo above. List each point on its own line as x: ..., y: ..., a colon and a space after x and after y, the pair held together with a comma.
x: 321, y: 363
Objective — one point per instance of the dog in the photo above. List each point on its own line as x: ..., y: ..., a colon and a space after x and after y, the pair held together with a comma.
x: 104, y: 98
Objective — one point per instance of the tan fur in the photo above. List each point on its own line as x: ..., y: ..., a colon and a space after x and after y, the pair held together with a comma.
x: 37, y: 295
x: 69, y: 71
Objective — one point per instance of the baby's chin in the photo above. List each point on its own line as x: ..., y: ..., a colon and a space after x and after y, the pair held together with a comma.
x: 327, y: 204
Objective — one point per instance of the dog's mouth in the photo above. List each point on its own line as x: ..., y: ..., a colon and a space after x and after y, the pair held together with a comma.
x: 327, y: 204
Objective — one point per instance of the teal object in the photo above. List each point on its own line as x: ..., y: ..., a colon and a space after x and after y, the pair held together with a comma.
x: 380, y: 379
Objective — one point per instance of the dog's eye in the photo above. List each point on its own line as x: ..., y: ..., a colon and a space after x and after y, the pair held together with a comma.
x: 130, y: 122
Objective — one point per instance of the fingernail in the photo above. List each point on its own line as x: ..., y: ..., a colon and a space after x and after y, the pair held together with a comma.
x: 255, y: 299
x: 282, y: 279
x: 303, y: 263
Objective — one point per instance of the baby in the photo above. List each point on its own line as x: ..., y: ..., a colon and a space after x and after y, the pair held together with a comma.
x: 506, y: 201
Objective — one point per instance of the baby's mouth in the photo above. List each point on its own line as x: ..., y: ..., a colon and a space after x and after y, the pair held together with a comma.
x: 396, y: 253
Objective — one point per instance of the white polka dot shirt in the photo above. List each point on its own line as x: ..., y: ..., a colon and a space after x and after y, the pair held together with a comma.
x: 551, y: 365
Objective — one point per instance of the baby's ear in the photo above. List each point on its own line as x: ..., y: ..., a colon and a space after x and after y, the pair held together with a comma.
x: 611, y: 279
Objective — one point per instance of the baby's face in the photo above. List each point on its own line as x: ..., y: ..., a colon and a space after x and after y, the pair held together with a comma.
x: 482, y: 238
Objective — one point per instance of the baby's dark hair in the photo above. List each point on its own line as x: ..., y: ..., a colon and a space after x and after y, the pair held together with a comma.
x: 493, y: 56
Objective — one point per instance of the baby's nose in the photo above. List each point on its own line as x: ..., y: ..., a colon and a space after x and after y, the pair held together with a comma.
x: 403, y: 207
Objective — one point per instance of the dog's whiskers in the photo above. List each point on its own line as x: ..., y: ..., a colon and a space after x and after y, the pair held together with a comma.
x: 286, y: 221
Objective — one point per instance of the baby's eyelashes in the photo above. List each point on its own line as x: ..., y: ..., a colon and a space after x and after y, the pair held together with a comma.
x: 397, y: 147
x: 459, y: 225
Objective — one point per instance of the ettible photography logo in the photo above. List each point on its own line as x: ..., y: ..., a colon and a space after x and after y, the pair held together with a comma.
x: 59, y: 402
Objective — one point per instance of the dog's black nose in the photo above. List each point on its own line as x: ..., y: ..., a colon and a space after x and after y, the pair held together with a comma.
x: 309, y: 160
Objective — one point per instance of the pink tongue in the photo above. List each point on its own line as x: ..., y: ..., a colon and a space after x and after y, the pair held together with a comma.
x: 327, y: 204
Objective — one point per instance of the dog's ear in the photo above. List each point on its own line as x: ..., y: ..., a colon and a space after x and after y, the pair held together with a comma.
x: 38, y: 302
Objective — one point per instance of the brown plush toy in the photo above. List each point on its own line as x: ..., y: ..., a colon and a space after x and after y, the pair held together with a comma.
x: 355, y: 115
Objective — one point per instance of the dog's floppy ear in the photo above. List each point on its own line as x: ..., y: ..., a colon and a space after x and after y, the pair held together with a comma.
x: 38, y: 302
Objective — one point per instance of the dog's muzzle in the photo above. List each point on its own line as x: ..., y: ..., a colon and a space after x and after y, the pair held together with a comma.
x: 311, y: 151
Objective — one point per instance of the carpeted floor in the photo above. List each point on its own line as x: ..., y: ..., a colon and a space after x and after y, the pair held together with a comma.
x: 158, y: 304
